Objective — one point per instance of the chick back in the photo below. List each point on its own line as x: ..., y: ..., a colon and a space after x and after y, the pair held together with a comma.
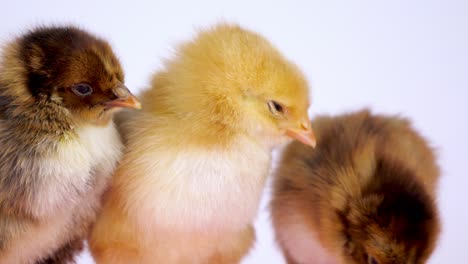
x: 358, y: 154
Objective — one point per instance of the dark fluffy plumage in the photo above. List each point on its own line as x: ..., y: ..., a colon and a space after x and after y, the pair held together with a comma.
x: 365, y: 194
x: 52, y: 168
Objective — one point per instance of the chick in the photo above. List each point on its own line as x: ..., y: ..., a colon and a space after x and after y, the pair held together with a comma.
x: 366, y: 194
x: 188, y: 187
x: 59, y: 87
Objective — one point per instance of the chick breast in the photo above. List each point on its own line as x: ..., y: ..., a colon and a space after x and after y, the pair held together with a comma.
x: 69, y: 183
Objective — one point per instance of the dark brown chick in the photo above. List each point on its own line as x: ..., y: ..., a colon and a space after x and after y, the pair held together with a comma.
x: 364, y: 195
x: 59, y: 87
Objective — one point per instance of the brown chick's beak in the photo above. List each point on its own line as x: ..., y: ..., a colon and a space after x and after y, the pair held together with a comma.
x: 124, y: 98
x: 305, y: 135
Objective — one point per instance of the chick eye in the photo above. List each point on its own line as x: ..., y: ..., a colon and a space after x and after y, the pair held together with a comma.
x: 275, y: 107
x: 371, y: 260
x: 82, y: 89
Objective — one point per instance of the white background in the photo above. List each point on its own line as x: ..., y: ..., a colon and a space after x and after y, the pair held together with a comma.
x: 399, y: 56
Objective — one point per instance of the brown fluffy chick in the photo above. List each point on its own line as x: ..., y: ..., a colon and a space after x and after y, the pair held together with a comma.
x: 189, y: 185
x: 364, y: 195
x: 59, y: 87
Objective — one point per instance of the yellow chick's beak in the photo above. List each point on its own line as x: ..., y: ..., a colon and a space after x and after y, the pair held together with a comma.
x: 303, y: 134
x: 124, y: 98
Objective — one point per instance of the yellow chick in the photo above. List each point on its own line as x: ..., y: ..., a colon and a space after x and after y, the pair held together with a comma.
x: 189, y: 185
x: 364, y: 195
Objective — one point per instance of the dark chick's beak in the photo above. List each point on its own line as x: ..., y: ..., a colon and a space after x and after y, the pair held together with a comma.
x: 124, y: 98
x: 303, y: 133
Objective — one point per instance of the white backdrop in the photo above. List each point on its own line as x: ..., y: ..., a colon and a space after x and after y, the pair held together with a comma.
x: 399, y: 56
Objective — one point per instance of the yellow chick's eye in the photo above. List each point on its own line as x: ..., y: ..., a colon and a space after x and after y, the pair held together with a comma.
x: 275, y: 108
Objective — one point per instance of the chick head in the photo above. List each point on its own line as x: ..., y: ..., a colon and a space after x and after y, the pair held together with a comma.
x: 395, y: 221
x: 236, y: 79
x: 76, y: 70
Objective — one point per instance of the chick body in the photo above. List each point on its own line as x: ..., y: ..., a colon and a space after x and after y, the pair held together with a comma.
x: 56, y: 158
x: 196, y: 216
x: 366, y: 194
x: 189, y: 185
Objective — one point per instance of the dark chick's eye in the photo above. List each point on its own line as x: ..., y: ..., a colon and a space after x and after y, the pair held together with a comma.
x: 371, y: 260
x: 275, y: 107
x: 82, y: 89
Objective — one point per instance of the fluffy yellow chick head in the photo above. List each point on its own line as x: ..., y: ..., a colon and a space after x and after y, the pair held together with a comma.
x: 278, y: 103
x: 238, y: 82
